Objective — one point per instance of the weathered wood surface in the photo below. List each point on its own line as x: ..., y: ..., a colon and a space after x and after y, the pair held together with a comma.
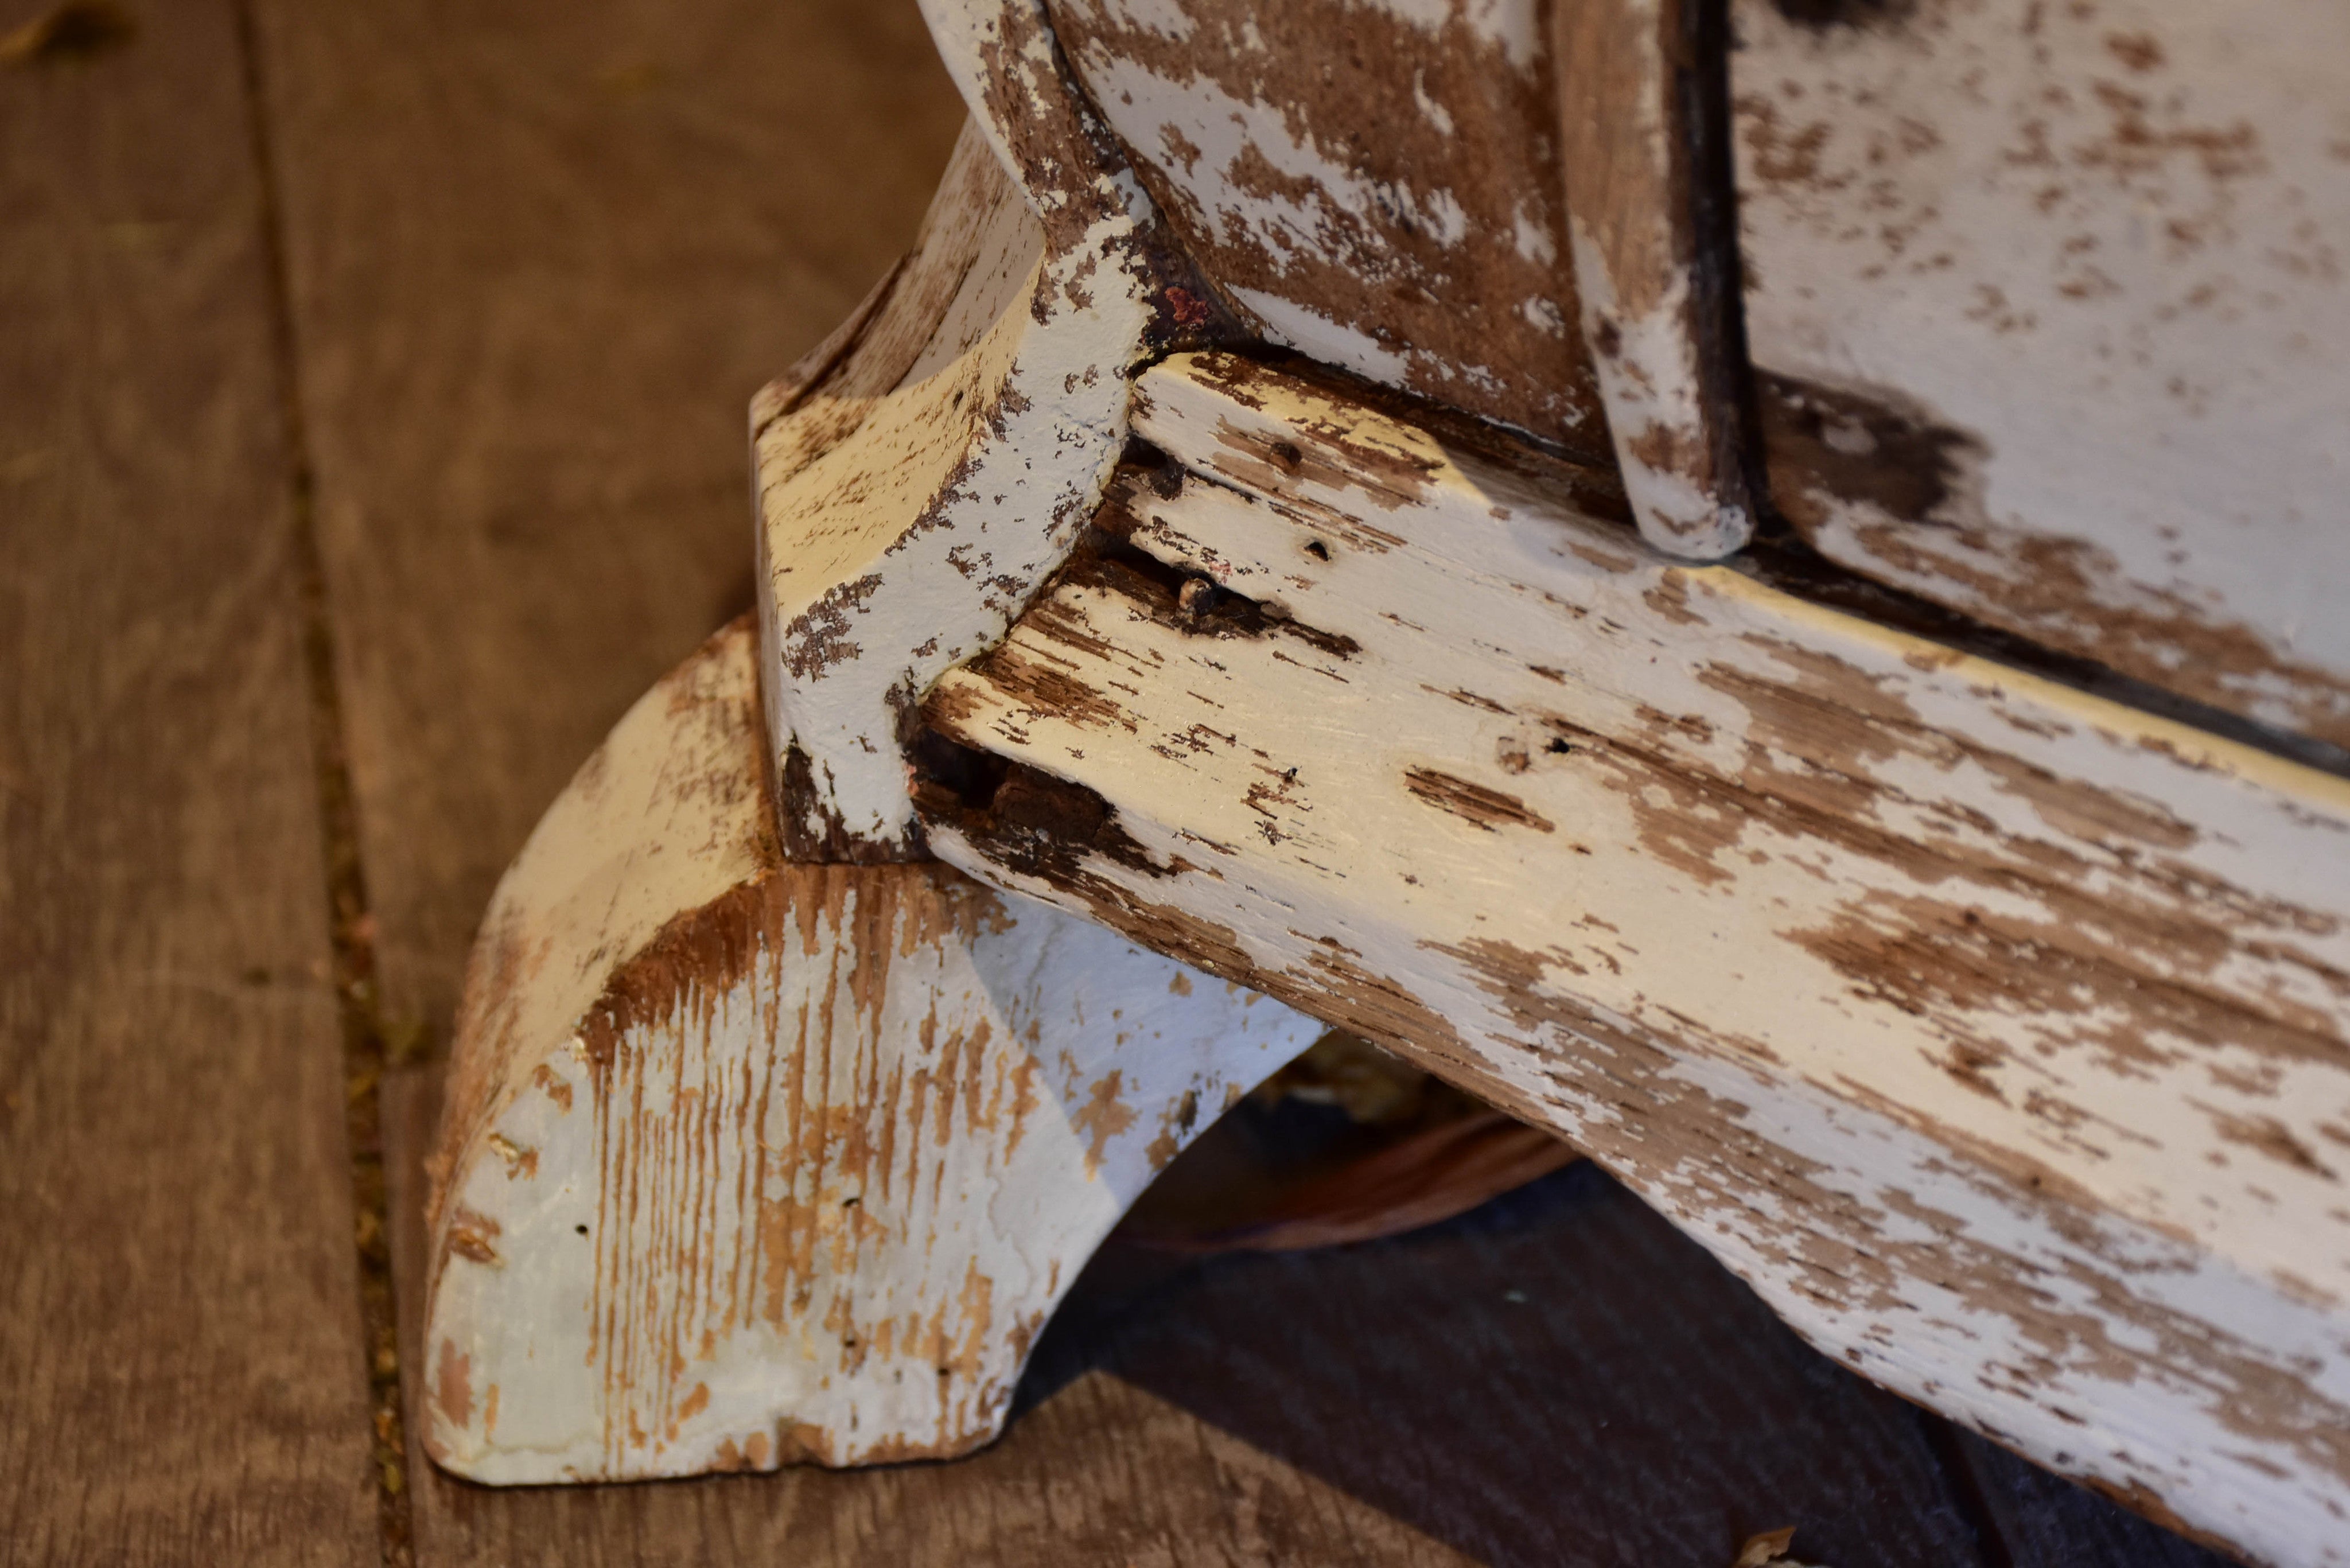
x: 2047, y: 305
x: 1097, y: 1470
x: 923, y: 472
x: 750, y: 1161
x: 180, y: 1344
x: 1639, y: 113
x: 1338, y: 1407
x: 1376, y: 185
x: 1995, y: 1032
x: 674, y: 203
x: 609, y: 118
x: 542, y: 257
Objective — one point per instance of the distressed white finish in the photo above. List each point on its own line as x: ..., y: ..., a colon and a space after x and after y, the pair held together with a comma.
x: 920, y: 476
x: 1374, y: 184
x: 1655, y: 412
x: 1631, y: 216
x: 750, y: 1162
x: 1995, y: 1032
x: 2098, y: 249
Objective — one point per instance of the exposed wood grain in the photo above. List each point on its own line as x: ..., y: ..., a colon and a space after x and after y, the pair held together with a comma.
x: 1108, y: 1478
x: 1633, y: 91
x: 1376, y: 185
x: 1099, y: 1472
x: 2046, y: 303
x: 543, y: 255
x: 2027, y: 1010
x: 750, y: 1161
x: 180, y: 1331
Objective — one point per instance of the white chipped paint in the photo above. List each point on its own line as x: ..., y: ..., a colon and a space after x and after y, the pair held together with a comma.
x: 1437, y: 114
x: 1647, y: 374
x: 1231, y: 131
x: 2157, y: 1424
x: 819, y: 1208
x: 1286, y: 321
x: 2108, y: 243
x: 1533, y: 242
x: 887, y: 559
x: 1326, y: 241
x: 1630, y: 217
x: 633, y: 839
x: 2097, y: 1183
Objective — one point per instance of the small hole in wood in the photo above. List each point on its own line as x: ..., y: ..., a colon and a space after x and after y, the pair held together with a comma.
x: 581, y: 1229
x: 1317, y: 549
x: 1559, y: 749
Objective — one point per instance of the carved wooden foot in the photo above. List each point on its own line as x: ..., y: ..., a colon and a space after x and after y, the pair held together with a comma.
x: 749, y: 1161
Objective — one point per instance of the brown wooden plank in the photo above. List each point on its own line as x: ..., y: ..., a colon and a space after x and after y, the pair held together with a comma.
x: 542, y: 254
x: 179, y: 1330
x: 1099, y: 1472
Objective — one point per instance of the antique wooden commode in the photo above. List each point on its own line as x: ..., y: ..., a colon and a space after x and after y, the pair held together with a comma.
x: 1758, y: 587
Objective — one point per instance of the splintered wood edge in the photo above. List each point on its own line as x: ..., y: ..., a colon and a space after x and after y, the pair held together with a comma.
x: 748, y: 1162
x: 1992, y: 1031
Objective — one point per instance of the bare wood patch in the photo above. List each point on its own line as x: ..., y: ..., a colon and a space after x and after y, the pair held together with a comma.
x: 1390, y: 206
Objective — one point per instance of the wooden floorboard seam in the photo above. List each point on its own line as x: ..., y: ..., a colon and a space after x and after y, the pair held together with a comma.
x: 365, y: 1043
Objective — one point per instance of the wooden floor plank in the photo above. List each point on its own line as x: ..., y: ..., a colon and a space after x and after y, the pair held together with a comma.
x: 543, y: 254
x: 180, y: 1340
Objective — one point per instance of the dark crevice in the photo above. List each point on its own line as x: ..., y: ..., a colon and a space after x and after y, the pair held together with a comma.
x: 1717, y: 278
x: 365, y: 1050
x: 1787, y: 563
x: 1024, y: 819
